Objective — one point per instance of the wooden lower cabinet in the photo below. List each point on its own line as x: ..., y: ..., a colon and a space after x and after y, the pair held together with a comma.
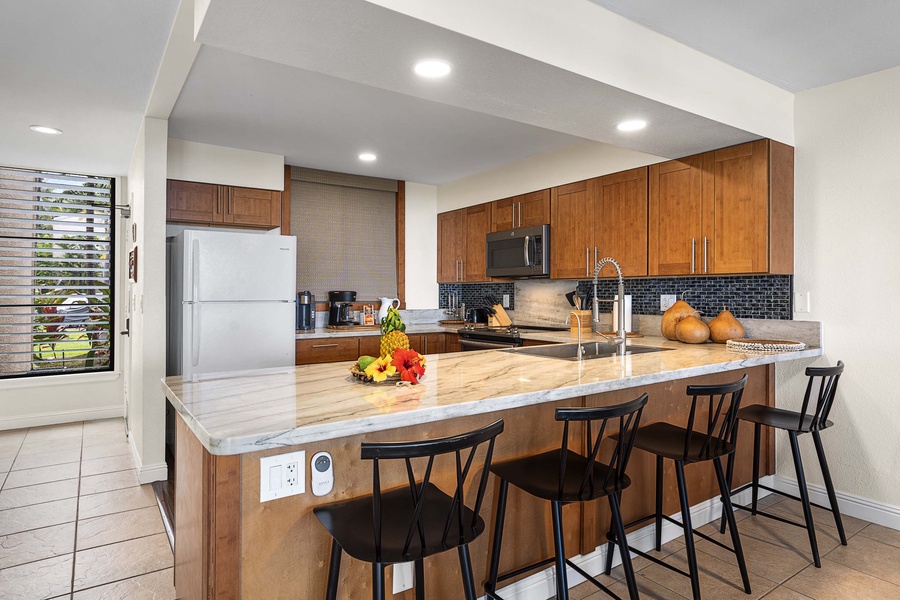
x: 452, y: 342
x: 435, y: 343
x: 325, y: 350
x: 370, y: 345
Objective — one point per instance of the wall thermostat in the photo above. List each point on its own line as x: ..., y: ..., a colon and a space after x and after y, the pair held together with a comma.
x: 322, y: 474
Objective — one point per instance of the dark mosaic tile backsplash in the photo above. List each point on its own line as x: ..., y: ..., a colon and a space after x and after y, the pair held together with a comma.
x: 747, y: 297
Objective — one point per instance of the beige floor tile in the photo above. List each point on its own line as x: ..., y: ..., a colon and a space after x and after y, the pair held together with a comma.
x: 104, y: 437
x: 105, y: 450
x: 42, y: 446
x: 789, y: 536
x: 110, y: 464
x: 718, y: 579
x: 41, y: 475
x: 115, y: 562
x: 153, y: 586
x: 42, y: 579
x: 55, y: 432
x: 794, y: 510
x: 772, y: 561
x: 108, y: 482
x: 834, y: 581
x: 870, y: 557
x: 37, y: 494
x: 783, y: 593
x: 9, y: 451
x: 882, y: 534
x: 15, y: 520
x: 6, y: 464
x: 119, y: 527
x: 46, y: 459
x: 12, y: 436
x: 37, y: 544
x: 647, y: 588
x: 106, y: 503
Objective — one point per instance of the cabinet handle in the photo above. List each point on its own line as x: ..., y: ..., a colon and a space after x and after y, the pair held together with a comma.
x: 595, y: 258
x: 324, y: 345
x: 705, y: 254
x: 230, y: 201
x: 462, y: 269
x: 520, y: 214
x: 587, y: 262
x: 693, y: 253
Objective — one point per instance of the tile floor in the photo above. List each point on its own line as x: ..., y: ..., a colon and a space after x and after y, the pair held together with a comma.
x: 74, y: 522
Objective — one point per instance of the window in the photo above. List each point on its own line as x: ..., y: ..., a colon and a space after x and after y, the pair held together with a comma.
x: 56, y: 261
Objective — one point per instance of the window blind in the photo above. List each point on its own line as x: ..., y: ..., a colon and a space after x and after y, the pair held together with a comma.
x: 56, y: 265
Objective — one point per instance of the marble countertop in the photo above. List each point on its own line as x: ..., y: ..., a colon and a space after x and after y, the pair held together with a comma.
x: 240, y: 412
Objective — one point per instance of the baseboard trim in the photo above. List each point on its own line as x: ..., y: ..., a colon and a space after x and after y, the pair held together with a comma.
x: 147, y: 473
x: 62, y: 416
x: 542, y: 585
x: 851, y: 505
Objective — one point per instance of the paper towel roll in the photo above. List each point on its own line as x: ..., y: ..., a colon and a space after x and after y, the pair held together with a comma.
x: 615, y: 313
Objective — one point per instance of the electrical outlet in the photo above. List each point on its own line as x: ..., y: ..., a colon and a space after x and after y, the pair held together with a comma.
x: 801, y: 302
x: 403, y: 577
x: 505, y: 300
x: 282, y: 475
x: 666, y: 301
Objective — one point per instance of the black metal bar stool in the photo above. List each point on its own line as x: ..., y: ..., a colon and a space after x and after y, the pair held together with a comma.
x: 563, y: 477
x: 412, y: 522
x: 796, y: 424
x: 687, y: 446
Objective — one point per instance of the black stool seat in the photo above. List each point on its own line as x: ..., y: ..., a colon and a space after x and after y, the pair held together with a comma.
x: 780, y: 418
x: 539, y: 476
x: 668, y: 441
x: 352, y: 525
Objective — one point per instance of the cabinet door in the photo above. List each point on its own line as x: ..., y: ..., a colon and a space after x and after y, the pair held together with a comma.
x: 435, y: 343
x: 474, y: 251
x: 676, y: 209
x: 533, y: 209
x: 620, y: 219
x: 449, y: 244
x: 417, y: 342
x: 370, y: 345
x: 252, y: 207
x: 452, y: 341
x: 325, y: 350
x: 735, y: 210
x: 503, y: 213
x: 572, y: 230
x: 189, y: 202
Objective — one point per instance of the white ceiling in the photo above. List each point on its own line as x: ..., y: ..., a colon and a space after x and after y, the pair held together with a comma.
x: 794, y: 44
x: 84, y: 67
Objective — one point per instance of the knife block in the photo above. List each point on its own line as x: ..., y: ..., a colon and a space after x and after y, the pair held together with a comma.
x: 586, y: 316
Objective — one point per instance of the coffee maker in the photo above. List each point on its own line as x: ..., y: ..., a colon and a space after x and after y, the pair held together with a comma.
x: 306, y: 311
x: 340, y: 308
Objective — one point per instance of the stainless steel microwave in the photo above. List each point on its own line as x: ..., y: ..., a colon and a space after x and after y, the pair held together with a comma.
x: 519, y: 252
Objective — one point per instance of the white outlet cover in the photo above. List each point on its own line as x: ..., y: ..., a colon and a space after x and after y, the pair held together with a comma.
x: 272, y: 490
x: 666, y: 301
x: 404, y: 577
x: 801, y: 302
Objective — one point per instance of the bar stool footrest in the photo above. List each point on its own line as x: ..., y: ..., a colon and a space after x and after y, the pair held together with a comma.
x: 599, y: 585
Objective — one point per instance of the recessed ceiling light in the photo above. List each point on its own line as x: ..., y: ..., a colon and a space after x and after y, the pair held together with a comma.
x: 45, y: 129
x: 432, y: 68
x: 633, y: 125
x: 367, y: 157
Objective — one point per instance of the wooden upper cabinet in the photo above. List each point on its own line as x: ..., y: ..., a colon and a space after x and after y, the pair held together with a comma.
x: 527, y: 210
x: 190, y: 202
x: 210, y: 204
x: 620, y: 221
x: 450, y: 230
x: 474, y: 251
x: 675, y: 214
x: 504, y: 214
x: 572, y: 230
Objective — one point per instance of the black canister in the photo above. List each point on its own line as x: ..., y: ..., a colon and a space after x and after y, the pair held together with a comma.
x: 306, y: 311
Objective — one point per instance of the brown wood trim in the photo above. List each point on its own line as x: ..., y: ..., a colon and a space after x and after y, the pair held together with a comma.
x: 225, y: 532
x: 286, y: 202
x: 401, y: 242
x: 768, y: 440
x: 781, y: 208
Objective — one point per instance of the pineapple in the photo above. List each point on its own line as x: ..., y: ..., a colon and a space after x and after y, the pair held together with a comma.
x: 392, y: 336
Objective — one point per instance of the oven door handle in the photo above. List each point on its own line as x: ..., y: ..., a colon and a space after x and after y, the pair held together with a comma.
x: 479, y: 345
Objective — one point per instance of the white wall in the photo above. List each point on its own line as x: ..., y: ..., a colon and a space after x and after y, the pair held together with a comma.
x: 146, y: 355
x: 421, y: 246
x: 847, y: 209
x: 192, y: 161
x: 573, y: 163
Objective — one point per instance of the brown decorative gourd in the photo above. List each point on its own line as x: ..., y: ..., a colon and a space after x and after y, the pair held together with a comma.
x: 691, y: 330
x: 676, y: 313
x: 725, y: 327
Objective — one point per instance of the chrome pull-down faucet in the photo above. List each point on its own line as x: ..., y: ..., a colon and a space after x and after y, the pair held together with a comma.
x: 580, y: 353
x: 621, y: 334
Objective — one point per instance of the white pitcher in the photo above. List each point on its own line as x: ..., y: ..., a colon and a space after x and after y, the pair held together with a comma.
x: 386, y: 303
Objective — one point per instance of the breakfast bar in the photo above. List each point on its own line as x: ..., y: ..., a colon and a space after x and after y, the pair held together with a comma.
x: 228, y: 544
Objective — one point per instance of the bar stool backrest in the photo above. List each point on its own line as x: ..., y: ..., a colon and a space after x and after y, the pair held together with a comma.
x: 431, y: 449
x: 628, y: 416
x: 828, y: 378
x: 723, y: 402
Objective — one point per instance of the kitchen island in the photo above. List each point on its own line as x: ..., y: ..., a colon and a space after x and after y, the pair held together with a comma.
x: 230, y: 545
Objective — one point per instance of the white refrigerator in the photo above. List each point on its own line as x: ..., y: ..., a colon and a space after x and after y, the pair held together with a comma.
x: 231, y: 300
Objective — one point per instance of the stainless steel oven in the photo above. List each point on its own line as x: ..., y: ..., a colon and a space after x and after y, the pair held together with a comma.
x: 519, y: 252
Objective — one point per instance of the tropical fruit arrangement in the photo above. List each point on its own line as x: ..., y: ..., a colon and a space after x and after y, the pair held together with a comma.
x: 396, y: 361
x: 681, y: 322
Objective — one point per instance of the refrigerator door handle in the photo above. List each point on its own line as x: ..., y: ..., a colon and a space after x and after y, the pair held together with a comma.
x: 195, y: 334
x: 195, y: 271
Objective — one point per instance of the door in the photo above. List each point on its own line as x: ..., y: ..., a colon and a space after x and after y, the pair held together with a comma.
x: 224, y: 266
x: 572, y: 230
x: 449, y: 243
x: 252, y: 207
x: 534, y: 209
x: 675, y: 214
x: 736, y: 210
x: 474, y: 251
x: 190, y: 202
x: 620, y: 219
x: 503, y: 214
x: 237, y: 336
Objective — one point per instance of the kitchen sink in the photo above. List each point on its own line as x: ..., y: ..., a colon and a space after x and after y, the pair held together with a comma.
x: 591, y: 350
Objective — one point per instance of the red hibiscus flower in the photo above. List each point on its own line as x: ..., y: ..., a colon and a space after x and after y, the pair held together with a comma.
x: 410, y: 364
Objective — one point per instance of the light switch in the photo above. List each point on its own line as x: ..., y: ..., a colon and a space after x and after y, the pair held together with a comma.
x: 275, y: 477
